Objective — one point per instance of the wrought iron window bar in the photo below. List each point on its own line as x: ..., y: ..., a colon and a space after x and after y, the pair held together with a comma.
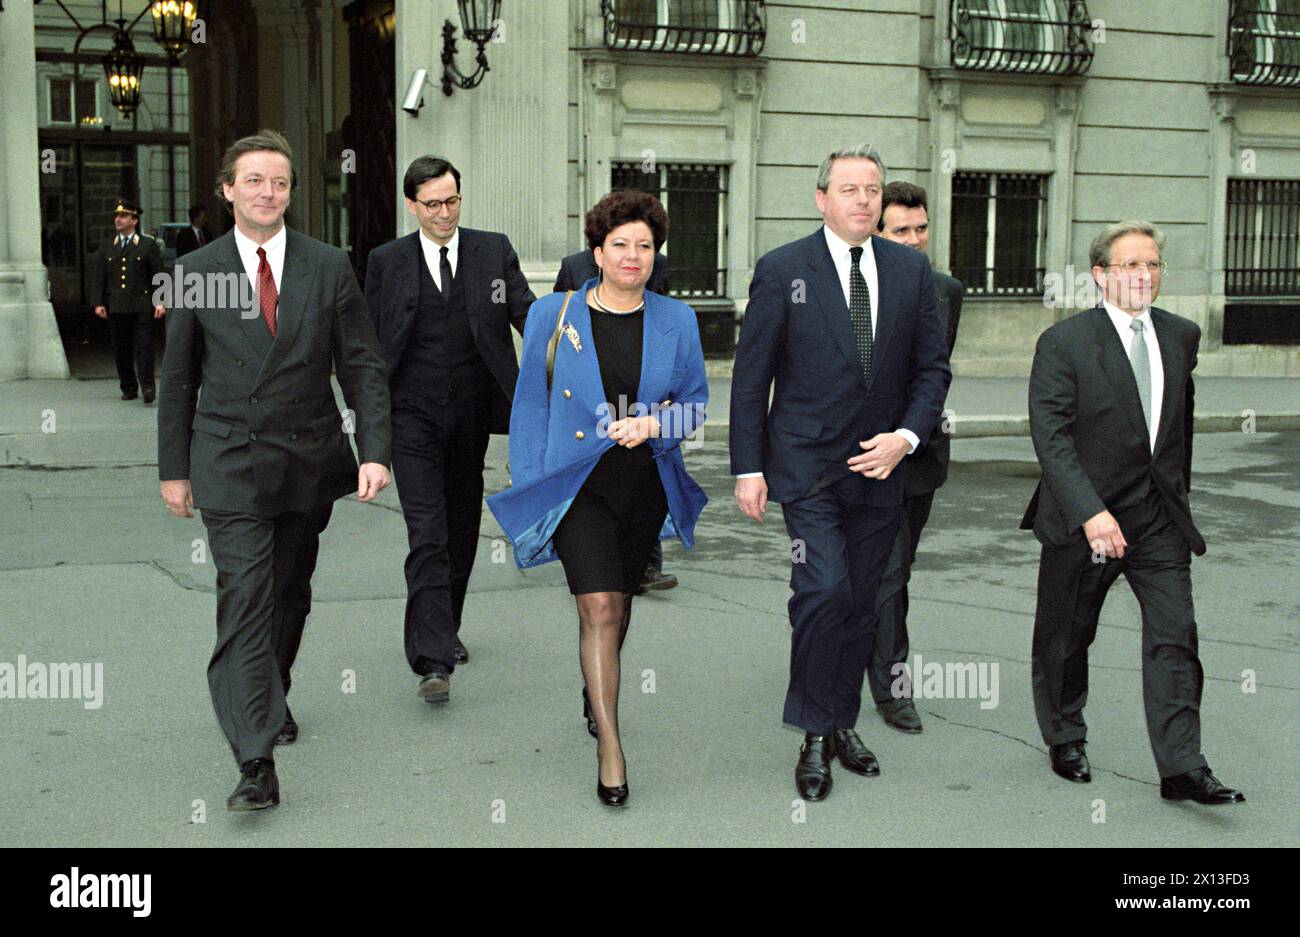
x: 1033, y: 37
x: 1264, y: 42
x: 702, y: 27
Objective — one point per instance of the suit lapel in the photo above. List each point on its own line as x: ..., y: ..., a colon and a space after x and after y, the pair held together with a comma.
x: 470, y: 273
x: 656, y: 338
x: 592, y: 389
x: 886, y: 307
x: 825, y: 285
x: 1171, y: 361
x: 1115, y: 363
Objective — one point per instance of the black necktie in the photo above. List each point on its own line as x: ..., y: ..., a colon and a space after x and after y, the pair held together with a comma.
x: 121, y: 245
x: 444, y: 273
x: 860, y: 310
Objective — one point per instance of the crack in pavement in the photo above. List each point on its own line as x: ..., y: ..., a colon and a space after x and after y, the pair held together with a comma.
x: 1028, y: 744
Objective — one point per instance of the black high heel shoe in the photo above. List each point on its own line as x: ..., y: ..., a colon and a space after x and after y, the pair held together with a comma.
x: 586, y: 713
x: 612, y: 796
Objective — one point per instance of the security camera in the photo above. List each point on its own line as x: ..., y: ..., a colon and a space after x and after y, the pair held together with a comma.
x: 414, y: 99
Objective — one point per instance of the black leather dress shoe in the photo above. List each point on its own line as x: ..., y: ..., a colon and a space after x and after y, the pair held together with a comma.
x: 288, y: 733
x: 462, y: 653
x: 1070, y: 762
x: 149, y: 396
x: 435, y: 687
x: 586, y: 713
x: 1201, y: 786
x: 258, y: 788
x: 900, y: 714
x: 854, y: 755
x: 656, y: 579
x: 812, y: 773
x: 129, y: 395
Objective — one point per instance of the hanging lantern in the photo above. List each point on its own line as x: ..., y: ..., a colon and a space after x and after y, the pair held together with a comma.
x: 173, y: 21
x: 123, y: 66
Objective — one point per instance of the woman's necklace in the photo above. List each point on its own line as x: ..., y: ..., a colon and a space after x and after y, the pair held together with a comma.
x: 595, y: 295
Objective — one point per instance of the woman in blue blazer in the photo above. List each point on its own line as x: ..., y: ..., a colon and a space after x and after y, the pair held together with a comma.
x: 610, y: 382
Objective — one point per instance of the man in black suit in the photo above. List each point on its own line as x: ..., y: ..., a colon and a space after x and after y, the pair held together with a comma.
x: 846, y: 326
x: 196, y: 235
x: 1110, y: 411
x: 264, y: 452
x: 122, y: 286
x: 443, y: 300
x: 904, y: 219
x: 575, y: 270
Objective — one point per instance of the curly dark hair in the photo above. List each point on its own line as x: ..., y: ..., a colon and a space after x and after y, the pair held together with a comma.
x: 619, y: 208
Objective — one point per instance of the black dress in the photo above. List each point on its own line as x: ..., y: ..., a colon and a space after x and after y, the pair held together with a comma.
x: 606, y: 537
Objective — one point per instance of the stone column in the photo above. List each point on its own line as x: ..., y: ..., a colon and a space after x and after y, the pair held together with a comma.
x: 30, y: 346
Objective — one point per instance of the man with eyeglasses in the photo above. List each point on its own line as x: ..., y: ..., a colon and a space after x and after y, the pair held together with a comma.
x: 1110, y: 412
x: 443, y: 300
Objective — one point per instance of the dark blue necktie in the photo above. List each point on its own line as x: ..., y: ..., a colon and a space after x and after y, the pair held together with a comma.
x: 860, y: 311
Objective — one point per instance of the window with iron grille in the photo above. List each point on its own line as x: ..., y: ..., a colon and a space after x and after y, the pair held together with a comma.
x: 695, y: 197
x: 719, y: 27
x: 1264, y: 42
x: 1050, y: 37
x: 998, y: 233
x: 1262, y: 255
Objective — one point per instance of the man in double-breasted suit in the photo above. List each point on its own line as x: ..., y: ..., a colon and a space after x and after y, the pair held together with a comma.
x: 575, y: 270
x: 845, y: 325
x: 1110, y: 412
x: 443, y: 300
x: 904, y: 219
x: 121, y: 287
x: 250, y: 434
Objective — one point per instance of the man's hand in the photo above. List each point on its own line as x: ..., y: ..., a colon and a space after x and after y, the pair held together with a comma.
x: 633, y: 431
x: 159, y: 311
x: 101, y: 311
x: 751, y: 496
x: 179, y: 496
x: 372, y: 478
x: 881, y: 455
x: 1104, y: 536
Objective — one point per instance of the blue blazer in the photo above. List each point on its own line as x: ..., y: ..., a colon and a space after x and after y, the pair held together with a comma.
x: 557, y: 438
x: 798, y: 333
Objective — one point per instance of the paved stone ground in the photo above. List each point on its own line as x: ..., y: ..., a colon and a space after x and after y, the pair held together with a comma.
x: 93, y: 569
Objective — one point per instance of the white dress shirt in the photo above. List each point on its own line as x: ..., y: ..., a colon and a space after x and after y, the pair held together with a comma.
x: 1123, y: 325
x: 274, y: 248
x: 843, y: 261
x: 433, y: 255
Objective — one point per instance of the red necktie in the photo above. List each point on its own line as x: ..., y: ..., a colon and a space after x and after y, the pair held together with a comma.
x: 266, y: 293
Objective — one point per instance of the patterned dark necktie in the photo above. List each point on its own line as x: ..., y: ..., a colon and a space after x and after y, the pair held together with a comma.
x: 860, y: 311
x: 266, y: 293
x: 444, y: 274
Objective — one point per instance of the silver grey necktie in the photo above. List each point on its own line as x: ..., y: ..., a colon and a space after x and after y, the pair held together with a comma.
x: 1137, y: 356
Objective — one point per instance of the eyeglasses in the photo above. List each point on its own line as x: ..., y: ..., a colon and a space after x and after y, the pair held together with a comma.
x: 1138, y: 266
x: 433, y: 205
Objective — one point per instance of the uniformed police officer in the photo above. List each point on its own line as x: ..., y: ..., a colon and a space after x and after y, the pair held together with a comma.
x: 121, y: 285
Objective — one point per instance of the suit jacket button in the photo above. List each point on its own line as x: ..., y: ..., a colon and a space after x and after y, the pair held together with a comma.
x: 293, y: 435
x: 666, y: 403
x: 252, y: 399
x: 579, y: 435
x: 252, y: 437
x: 239, y: 362
x: 567, y: 393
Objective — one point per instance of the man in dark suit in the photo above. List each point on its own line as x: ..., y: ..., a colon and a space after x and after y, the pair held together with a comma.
x: 846, y: 326
x: 264, y: 452
x: 121, y: 287
x: 904, y: 219
x: 575, y: 270
x: 196, y: 235
x: 443, y: 300
x: 1110, y: 411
